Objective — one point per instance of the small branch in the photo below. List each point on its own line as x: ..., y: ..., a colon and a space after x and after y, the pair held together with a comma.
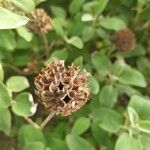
x: 50, y: 116
x: 15, y: 69
x: 46, y: 45
x: 31, y: 122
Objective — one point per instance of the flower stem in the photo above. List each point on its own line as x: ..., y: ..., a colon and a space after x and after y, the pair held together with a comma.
x: 31, y: 122
x: 46, y: 45
x: 50, y: 116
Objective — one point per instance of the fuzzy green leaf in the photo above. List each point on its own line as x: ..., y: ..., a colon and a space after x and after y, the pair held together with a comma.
x: 75, y: 6
x: 81, y: 125
x: 34, y: 146
x: 17, y: 83
x: 127, y: 142
x: 24, y: 105
x: 1, y: 73
x: 5, y: 96
x: 108, y: 96
x: 76, y: 41
x: 7, y: 40
x: 101, y: 63
x: 27, y: 6
x: 5, y: 120
x: 113, y: 23
x: 13, y: 20
x: 75, y: 142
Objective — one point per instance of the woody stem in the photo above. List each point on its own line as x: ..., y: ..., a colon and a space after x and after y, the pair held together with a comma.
x: 46, y: 45
x: 31, y: 122
x: 50, y: 116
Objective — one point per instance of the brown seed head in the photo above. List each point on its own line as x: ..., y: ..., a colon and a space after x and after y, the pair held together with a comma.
x: 124, y: 40
x: 60, y: 89
x: 39, y: 22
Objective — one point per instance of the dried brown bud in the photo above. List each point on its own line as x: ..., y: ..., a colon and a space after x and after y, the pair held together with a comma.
x: 124, y: 40
x: 31, y: 67
x: 60, y: 89
x: 39, y: 22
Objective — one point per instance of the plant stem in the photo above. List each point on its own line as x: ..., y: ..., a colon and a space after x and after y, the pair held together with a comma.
x: 15, y: 69
x: 50, y: 116
x: 31, y: 122
x: 46, y: 45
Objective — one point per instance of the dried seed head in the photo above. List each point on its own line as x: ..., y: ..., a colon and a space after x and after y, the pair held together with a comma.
x: 124, y: 40
x: 60, y: 89
x: 39, y: 22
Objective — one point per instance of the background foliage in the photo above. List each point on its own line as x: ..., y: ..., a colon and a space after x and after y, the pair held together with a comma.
x: 117, y: 117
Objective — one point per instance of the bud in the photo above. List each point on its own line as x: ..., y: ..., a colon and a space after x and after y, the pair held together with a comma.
x: 124, y: 40
x: 40, y: 21
x: 60, y: 89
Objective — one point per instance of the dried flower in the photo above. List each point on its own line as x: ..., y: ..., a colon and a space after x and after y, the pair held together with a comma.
x: 40, y: 21
x: 124, y: 40
x: 60, y: 89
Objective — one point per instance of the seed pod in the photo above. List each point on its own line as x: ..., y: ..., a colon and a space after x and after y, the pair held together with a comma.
x: 124, y: 40
x: 60, y: 89
x: 40, y: 21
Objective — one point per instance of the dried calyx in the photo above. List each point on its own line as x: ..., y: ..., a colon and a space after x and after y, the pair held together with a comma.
x: 60, y: 89
x: 124, y: 40
x: 40, y: 21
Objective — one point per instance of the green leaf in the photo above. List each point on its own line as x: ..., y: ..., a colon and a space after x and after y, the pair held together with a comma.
x: 75, y: 41
x: 27, y: 134
x: 88, y: 34
x: 133, y: 117
x: 34, y: 146
x: 13, y: 20
x: 109, y: 119
x: 78, y: 61
x: 27, y: 6
x: 81, y: 125
x: 24, y: 105
x: 1, y: 73
x: 145, y: 139
x: 87, y: 17
x: 113, y: 23
x: 75, y: 142
x: 37, y: 2
x: 57, y: 144
x: 127, y: 142
x: 131, y: 76
x: 58, y: 12
x: 5, y: 120
x: 101, y: 63
x: 101, y: 6
x: 101, y: 136
x: 17, y: 83
x: 60, y: 54
x: 141, y: 105
x: 144, y: 126
x: 75, y: 6
x: 93, y: 85
x: 57, y: 24
x: 108, y: 96
x: 96, y: 7
x: 24, y: 33
x: 7, y: 40
x: 128, y: 3
x: 5, y: 96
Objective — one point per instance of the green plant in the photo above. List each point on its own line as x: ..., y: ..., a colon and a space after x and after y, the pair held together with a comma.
x: 110, y: 39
